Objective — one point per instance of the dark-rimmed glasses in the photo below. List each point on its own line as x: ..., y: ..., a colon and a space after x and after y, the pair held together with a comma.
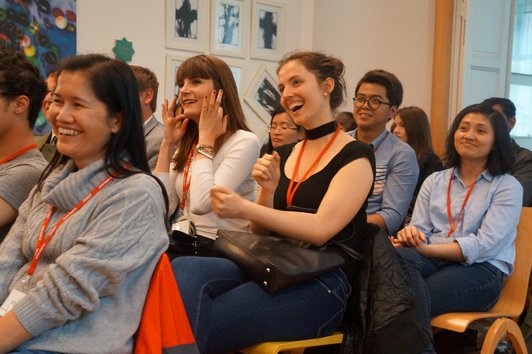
x: 373, y: 102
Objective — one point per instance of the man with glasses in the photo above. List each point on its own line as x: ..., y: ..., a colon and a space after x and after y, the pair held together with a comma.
x: 378, y: 95
x: 22, y: 90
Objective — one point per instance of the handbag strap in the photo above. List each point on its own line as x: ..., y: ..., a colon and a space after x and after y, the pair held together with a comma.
x: 349, y: 251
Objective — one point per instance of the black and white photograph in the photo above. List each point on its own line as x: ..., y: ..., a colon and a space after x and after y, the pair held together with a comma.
x: 228, y: 21
x: 262, y: 94
x: 187, y: 24
x: 172, y: 64
x: 267, y: 30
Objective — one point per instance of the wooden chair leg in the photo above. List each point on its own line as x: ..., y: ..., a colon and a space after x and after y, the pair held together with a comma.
x: 500, y: 329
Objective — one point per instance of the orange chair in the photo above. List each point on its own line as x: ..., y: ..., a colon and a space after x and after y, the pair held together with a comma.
x: 511, y: 302
x: 164, y: 326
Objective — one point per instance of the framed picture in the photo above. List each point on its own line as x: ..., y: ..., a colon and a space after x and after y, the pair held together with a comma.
x: 262, y: 94
x: 267, y: 30
x: 187, y: 25
x: 172, y: 64
x: 237, y: 68
x: 228, y: 31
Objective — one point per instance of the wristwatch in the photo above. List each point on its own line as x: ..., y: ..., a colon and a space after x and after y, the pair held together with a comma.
x: 205, y: 150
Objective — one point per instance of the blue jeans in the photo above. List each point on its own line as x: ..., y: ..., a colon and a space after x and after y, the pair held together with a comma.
x: 228, y: 312
x: 443, y: 286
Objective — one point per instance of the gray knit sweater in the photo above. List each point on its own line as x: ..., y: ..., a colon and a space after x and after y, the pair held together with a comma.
x: 87, y: 293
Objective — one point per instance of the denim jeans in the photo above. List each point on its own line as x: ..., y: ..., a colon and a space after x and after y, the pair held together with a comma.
x: 443, y: 286
x: 228, y: 312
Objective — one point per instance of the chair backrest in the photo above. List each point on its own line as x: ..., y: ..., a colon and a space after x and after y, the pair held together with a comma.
x: 514, y: 292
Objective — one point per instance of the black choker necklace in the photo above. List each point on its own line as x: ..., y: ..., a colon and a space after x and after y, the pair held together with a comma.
x: 321, y: 131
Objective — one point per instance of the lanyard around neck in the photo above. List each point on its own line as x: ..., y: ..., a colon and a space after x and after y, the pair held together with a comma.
x: 43, y: 241
x: 291, y: 189
x: 17, y: 154
x: 453, y: 226
x: 186, y: 177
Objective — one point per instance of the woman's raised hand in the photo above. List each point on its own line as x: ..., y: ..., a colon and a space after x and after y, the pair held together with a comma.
x: 226, y: 203
x: 212, y: 122
x: 175, y: 123
x: 266, y: 171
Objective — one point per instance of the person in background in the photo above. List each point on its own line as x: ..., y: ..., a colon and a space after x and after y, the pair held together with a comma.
x: 153, y: 129
x: 214, y: 147
x: 48, y: 147
x: 77, y: 263
x: 346, y: 120
x: 460, y: 244
x: 22, y: 90
x: 523, y: 157
x: 378, y: 96
x: 281, y: 131
x: 411, y: 125
x: 226, y: 309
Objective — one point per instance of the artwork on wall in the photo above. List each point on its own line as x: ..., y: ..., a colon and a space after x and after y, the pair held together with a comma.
x: 262, y: 94
x: 228, y: 33
x: 187, y: 25
x: 267, y: 30
x: 46, y: 32
x: 123, y: 50
x: 172, y: 64
x: 237, y: 68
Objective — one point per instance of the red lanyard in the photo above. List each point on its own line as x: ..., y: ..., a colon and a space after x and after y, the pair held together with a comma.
x: 17, y: 154
x: 452, y: 227
x: 43, y: 241
x: 291, y: 189
x: 186, y: 178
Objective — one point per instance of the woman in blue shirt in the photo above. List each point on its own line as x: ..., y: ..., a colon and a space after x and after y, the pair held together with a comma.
x: 459, y: 246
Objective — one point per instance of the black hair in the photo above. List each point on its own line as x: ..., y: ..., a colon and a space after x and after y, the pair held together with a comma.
x: 508, y: 106
x: 501, y: 158
x: 19, y: 77
x: 394, y: 88
x: 114, y: 84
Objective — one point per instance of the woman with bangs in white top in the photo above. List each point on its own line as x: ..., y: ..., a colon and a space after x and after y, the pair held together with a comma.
x: 205, y: 143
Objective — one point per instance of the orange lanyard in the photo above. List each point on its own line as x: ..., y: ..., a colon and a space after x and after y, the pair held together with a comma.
x: 18, y: 153
x: 452, y: 227
x: 186, y: 177
x: 291, y: 191
x: 43, y: 241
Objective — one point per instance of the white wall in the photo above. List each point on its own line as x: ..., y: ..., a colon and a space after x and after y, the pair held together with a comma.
x: 393, y: 35
x: 366, y: 34
x: 101, y: 22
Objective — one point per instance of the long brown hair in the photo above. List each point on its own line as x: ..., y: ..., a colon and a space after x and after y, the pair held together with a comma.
x: 210, y: 67
x: 417, y: 130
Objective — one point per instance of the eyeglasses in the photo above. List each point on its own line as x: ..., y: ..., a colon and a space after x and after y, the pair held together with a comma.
x: 282, y: 126
x: 373, y: 102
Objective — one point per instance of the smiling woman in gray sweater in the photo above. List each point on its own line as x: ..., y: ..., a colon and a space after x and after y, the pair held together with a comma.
x: 96, y: 215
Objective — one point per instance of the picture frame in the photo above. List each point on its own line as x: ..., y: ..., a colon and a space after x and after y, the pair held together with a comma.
x: 262, y: 94
x: 267, y: 30
x: 229, y: 27
x: 172, y: 64
x: 238, y: 69
x: 187, y: 25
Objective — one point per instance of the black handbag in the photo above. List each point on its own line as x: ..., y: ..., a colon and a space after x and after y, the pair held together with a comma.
x: 273, y: 262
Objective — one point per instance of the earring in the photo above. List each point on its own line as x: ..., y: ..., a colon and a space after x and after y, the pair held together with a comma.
x: 325, y: 94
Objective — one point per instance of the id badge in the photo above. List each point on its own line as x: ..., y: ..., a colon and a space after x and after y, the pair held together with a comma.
x: 14, y: 297
x: 182, y: 225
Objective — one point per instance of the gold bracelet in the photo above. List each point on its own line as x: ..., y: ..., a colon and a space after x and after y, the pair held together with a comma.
x: 205, y: 150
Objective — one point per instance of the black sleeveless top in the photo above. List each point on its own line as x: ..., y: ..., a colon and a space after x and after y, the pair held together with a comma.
x: 310, y: 193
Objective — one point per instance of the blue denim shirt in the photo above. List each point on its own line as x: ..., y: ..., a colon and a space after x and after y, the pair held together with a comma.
x: 487, y: 229
x: 395, y: 179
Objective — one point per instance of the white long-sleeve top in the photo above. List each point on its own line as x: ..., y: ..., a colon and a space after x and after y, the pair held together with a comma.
x: 231, y: 168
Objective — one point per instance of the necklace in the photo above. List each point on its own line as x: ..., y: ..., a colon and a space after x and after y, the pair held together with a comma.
x: 321, y: 131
